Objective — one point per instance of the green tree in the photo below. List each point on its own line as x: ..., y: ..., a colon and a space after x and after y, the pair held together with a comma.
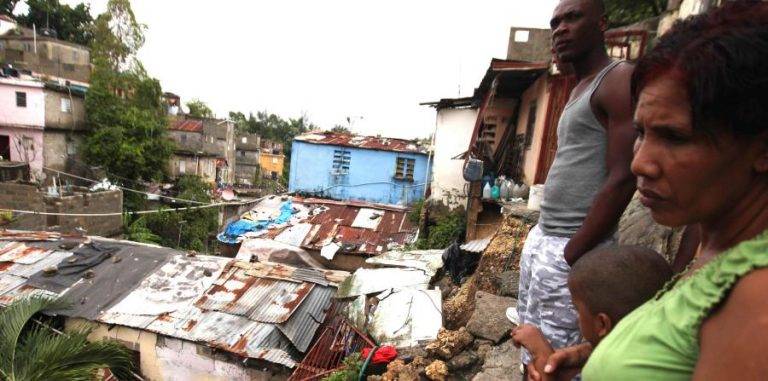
x: 625, y: 12
x: 127, y: 134
x: 7, y: 6
x: 198, y: 109
x: 71, y: 24
x: 339, y: 129
x: 190, y: 229
x: 31, y: 351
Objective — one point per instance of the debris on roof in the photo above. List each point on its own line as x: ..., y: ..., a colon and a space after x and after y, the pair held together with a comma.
x: 357, y: 228
x: 18, y: 235
x: 265, y: 250
x: 407, y: 317
x: 429, y: 261
x: 364, y: 142
x: 371, y: 281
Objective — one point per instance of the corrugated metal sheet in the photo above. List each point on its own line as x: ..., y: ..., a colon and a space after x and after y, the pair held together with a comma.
x: 186, y: 125
x: 367, y: 142
x: 476, y: 246
x: 370, y: 281
x: 429, y: 261
x: 300, y: 329
x: 261, y: 299
x: 407, y: 317
x: 21, y: 253
x: 27, y: 270
x: 23, y: 235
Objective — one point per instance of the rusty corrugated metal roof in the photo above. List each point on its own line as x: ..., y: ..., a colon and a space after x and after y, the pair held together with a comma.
x: 186, y: 125
x: 366, y: 142
x: 360, y: 228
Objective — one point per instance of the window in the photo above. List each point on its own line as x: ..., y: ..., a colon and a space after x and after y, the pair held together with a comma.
x: 244, y: 140
x: 522, y: 35
x: 21, y: 99
x: 241, y: 153
x: 66, y: 105
x: 74, y: 56
x: 274, y: 160
x: 71, y: 149
x: 341, y: 162
x: 274, y: 175
x: 182, y: 167
x: 183, y: 138
x: 28, y: 144
x: 531, y: 127
x: 404, y: 168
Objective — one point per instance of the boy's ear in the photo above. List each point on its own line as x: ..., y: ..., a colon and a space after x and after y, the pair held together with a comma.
x: 604, y: 325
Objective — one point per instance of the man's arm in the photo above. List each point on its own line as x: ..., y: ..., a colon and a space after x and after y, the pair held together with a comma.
x: 613, y: 98
x: 733, y: 339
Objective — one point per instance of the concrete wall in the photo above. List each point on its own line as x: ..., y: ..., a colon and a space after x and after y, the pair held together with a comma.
x: 454, y: 131
x: 56, y: 118
x: 59, y: 146
x: 528, y: 44
x: 187, y: 141
x: 23, y: 197
x: 370, y: 178
x: 168, y: 359
x: 99, y: 202
x: 54, y: 58
x: 539, y: 93
x: 23, y: 122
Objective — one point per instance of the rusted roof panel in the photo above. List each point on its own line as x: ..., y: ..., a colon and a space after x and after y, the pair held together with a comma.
x: 23, y: 254
x: 365, y: 142
x: 301, y: 328
x: 260, y: 299
x: 186, y: 125
x: 22, y: 235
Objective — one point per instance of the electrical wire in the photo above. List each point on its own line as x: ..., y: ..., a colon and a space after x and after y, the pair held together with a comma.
x: 123, y: 188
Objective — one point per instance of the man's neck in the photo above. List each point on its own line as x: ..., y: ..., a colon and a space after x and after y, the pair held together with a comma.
x: 592, y: 63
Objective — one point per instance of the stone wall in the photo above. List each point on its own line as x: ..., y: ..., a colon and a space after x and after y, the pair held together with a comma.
x: 21, y: 196
x: 99, y: 202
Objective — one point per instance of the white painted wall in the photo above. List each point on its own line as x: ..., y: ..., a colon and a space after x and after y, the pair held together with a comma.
x: 454, y: 131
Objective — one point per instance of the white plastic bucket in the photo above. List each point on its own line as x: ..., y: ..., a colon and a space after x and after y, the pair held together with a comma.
x: 535, y: 196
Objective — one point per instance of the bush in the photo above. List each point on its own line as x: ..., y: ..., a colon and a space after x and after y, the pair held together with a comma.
x: 353, y: 364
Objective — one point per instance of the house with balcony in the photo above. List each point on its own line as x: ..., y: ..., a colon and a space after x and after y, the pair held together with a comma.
x: 362, y: 168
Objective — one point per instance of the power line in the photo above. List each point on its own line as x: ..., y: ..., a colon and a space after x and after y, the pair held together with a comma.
x: 124, y: 188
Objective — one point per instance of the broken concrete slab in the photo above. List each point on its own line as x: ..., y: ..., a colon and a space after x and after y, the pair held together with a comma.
x: 508, y: 283
x: 489, y: 320
x: 501, y: 363
x: 463, y: 360
x: 449, y: 343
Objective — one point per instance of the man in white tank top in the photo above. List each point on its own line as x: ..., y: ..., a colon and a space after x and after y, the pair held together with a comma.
x: 590, y: 183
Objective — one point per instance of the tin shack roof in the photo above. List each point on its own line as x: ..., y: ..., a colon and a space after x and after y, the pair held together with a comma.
x: 355, y: 227
x: 186, y: 125
x: 364, y: 142
x: 261, y: 311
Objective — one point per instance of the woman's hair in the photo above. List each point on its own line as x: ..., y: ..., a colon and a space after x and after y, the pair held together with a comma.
x: 722, y: 58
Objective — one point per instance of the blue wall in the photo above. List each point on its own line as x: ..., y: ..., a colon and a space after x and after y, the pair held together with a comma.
x: 370, y: 178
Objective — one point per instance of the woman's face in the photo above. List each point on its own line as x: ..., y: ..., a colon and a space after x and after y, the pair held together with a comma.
x: 686, y: 177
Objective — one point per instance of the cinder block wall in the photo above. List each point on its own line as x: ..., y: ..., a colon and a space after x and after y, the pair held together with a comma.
x: 21, y: 196
x: 99, y: 202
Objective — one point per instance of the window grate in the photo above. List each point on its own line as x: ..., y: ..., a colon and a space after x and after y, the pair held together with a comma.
x: 404, y: 168
x: 342, y: 159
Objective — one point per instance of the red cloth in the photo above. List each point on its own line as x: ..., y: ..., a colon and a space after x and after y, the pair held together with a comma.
x: 383, y: 355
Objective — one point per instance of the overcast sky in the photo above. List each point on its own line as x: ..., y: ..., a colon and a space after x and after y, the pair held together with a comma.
x: 329, y: 59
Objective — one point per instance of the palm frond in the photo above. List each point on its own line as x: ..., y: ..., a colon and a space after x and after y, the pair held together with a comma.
x: 47, y: 356
x: 14, y: 318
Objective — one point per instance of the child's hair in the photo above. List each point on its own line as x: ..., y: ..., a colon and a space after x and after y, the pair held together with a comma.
x: 615, y: 280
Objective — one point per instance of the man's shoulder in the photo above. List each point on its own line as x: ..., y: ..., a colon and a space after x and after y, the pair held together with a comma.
x: 613, y: 93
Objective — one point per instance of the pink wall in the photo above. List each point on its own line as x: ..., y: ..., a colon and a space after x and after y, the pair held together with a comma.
x: 20, y: 122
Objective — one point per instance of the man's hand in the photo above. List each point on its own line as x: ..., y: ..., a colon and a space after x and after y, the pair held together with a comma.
x: 564, y: 363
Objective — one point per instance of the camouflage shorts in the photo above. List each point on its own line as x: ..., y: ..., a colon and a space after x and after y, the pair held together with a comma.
x: 544, y: 299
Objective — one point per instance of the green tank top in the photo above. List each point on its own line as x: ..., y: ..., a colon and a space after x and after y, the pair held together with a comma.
x: 660, y: 339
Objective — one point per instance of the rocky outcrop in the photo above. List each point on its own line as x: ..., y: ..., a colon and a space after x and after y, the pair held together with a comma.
x: 489, y: 320
x: 638, y: 228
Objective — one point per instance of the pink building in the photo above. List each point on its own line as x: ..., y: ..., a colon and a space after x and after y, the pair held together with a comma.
x: 22, y: 117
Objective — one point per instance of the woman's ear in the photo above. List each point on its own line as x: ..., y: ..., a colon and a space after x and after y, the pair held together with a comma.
x: 604, y: 325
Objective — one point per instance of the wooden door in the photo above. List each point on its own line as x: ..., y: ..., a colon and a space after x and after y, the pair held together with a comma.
x: 560, y: 87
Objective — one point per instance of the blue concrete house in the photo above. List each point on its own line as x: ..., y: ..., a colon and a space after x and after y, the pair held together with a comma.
x: 365, y: 168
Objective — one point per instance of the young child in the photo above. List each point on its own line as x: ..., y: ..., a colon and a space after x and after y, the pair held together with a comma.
x: 606, y: 284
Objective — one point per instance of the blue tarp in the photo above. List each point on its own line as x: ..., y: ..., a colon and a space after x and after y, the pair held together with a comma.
x: 236, y: 229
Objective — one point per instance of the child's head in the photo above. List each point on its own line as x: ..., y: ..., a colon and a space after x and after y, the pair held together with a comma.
x: 609, y: 282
